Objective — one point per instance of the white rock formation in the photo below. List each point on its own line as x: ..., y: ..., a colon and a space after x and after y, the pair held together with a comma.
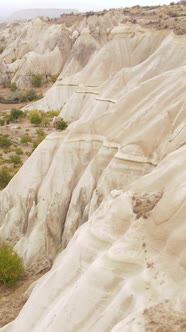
x: 110, y: 190
x: 128, y: 257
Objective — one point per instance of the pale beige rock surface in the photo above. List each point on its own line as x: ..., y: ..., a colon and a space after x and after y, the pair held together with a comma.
x: 110, y: 190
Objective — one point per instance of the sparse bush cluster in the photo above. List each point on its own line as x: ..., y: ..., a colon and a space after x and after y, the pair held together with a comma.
x: 11, y: 266
x: 13, y: 148
x: 17, y: 96
x: 14, y: 116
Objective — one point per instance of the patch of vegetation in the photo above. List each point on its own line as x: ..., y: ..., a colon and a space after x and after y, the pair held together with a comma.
x: 2, y: 122
x: 16, y: 96
x: 5, y: 177
x: 18, y: 151
x: 51, y: 114
x: 5, y: 142
x: 53, y: 78
x: 35, y: 118
x: 61, y: 125
x: 37, y: 80
x: 14, y: 59
x: 28, y: 153
x: 15, y: 159
x: 11, y: 266
x: 7, y: 118
x: 40, y: 137
x: 29, y: 95
x: 25, y: 139
x: 13, y: 87
x: 15, y: 114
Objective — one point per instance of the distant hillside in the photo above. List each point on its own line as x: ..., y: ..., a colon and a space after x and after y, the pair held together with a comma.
x: 31, y: 13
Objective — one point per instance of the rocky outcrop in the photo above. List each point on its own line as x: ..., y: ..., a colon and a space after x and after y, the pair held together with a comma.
x: 121, y: 270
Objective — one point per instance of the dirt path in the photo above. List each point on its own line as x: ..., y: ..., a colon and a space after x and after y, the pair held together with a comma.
x: 5, y: 107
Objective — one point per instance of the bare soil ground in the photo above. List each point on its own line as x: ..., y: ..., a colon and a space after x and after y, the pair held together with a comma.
x: 12, y: 299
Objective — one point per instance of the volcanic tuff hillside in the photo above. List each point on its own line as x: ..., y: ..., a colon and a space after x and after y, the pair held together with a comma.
x: 118, y: 171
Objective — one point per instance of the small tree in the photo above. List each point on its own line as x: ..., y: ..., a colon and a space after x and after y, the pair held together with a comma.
x: 11, y: 266
x: 37, y: 80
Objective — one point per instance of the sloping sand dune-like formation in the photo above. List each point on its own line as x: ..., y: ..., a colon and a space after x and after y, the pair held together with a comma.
x: 105, y: 200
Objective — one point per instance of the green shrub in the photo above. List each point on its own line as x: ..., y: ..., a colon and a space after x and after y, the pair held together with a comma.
x: 5, y: 142
x: 25, y: 139
x: 11, y: 266
x: 40, y: 133
x: 35, y: 117
x: 32, y: 95
x: 15, y: 159
x: 13, y: 87
x: 15, y: 114
x: 14, y: 59
x: 18, y: 151
x: 28, y: 153
x: 37, y: 80
x: 5, y: 177
x: 53, y: 78
x: 51, y: 114
x: 29, y: 95
x: 61, y: 125
x: 40, y: 137
x: 7, y: 119
x: 23, y: 97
